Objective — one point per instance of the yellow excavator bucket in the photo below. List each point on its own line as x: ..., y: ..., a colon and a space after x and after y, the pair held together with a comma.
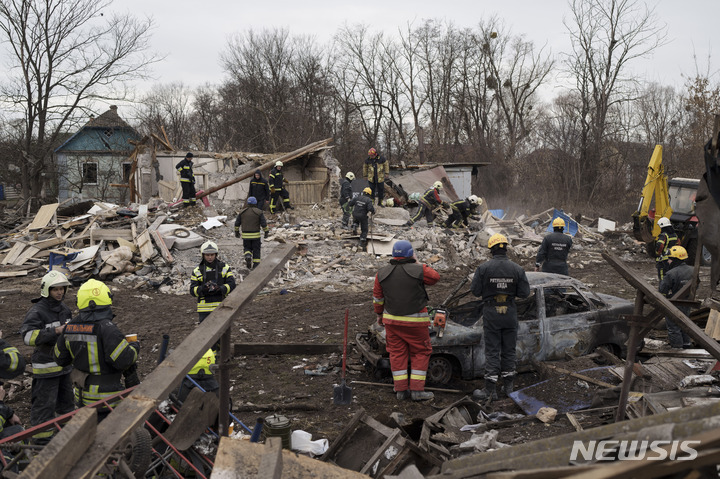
x: 656, y: 188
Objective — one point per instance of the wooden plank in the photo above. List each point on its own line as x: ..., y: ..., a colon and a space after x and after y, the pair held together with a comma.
x: 712, y: 328
x: 250, y: 349
x: 160, y: 243
x: 158, y: 221
x: 145, y: 244
x: 110, y: 234
x: 57, y: 458
x: 26, y: 255
x: 132, y: 411
x: 271, y: 460
x: 392, y: 438
x: 573, y: 420
x: 14, y: 253
x: 13, y: 274
x: 43, y: 216
x: 578, y: 376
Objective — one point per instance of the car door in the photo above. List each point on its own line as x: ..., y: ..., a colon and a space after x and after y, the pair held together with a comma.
x: 530, y: 328
x: 568, y: 322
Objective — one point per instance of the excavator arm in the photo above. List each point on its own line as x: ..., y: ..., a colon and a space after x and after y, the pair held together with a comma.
x: 645, y: 228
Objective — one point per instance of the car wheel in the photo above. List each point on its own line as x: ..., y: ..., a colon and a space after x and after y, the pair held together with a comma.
x: 439, y: 370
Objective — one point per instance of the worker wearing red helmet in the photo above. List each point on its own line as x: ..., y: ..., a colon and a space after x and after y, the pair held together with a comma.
x: 554, y: 250
x: 400, y: 302
x: 376, y: 169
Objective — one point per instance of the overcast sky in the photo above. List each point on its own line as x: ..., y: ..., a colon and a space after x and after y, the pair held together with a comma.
x: 192, y: 34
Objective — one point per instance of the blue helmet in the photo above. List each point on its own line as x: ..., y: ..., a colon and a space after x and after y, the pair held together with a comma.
x: 251, y: 200
x: 403, y: 249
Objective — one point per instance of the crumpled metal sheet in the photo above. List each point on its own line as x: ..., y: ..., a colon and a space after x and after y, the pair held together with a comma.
x: 420, y: 181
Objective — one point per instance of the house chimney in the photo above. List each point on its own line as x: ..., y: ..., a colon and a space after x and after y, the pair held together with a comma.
x: 113, y: 107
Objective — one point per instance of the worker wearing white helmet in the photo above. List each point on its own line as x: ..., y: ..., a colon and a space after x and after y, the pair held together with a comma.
x: 52, y: 391
x: 211, y: 281
x: 428, y: 202
x: 664, y: 242
x: 346, y: 194
x: 553, y: 253
x: 279, y: 196
x: 461, y: 210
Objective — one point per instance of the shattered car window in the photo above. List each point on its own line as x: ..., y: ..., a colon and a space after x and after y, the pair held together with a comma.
x: 527, y: 308
x: 561, y: 300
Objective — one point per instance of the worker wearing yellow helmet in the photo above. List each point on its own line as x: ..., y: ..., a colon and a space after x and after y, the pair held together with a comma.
x: 200, y: 375
x: 96, y: 347
x: 663, y: 244
x: 346, y: 194
x: 461, y: 210
x: 428, y: 202
x: 362, y: 206
x: 498, y: 282
x: 52, y: 391
x: 279, y: 196
x: 376, y: 171
x: 554, y: 249
x: 679, y: 273
x: 211, y: 281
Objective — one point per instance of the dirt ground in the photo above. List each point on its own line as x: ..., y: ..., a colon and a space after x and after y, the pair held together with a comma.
x: 265, y: 385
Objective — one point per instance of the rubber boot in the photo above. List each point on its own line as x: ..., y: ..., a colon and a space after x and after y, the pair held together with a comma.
x: 402, y: 395
x: 421, y: 395
x: 508, y: 385
x: 354, y: 231
x: 363, y: 245
x: 248, y: 261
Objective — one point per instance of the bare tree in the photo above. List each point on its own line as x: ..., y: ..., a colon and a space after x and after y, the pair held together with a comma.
x: 168, y: 106
x: 65, y: 54
x: 607, y: 35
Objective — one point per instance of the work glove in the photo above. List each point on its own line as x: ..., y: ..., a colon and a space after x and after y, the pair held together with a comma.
x: 380, y: 319
x: 205, y: 289
x: 212, y: 287
x: 237, y: 231
x: 272, y: 190
x: 267, y: 233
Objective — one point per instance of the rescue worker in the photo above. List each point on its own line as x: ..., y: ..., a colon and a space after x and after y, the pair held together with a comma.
x: 677, y: 275
x: 400, y: 302
x: 211, y: 281
x: 362, y: 205
x: 277, y: 189
x: 12, y: 364
x: 259, y: 189
x: 187, y: 179
x: 52, y: 391
x: 375, y: 170
x: 461, y: 210
x: 554, y: 249
x: 202, y: 374
x: 498, y: 282
x: 428, y: 202
x: 251, y: 218
x: 665, y: 241
x: 346, y: 194
x: 96, y: 348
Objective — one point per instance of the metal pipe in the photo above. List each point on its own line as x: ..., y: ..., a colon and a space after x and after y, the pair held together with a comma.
x: 163, y: 348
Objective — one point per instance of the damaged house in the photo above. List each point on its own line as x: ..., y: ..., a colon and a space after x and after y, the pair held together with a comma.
x: 93, y: 163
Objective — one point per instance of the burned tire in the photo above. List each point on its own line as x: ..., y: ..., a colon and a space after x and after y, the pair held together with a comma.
x: 440, y: 370
x: 138, y: 452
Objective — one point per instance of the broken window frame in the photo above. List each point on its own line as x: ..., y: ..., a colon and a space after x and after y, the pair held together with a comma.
x: 88, y: 177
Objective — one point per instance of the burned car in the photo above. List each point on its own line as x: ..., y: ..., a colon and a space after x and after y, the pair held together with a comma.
x: 561, y: 315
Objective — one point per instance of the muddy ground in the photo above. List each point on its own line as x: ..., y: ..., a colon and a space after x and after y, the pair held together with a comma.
x: 281, y: 384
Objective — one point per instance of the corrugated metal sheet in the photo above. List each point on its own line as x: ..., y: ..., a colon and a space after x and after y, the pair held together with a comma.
x: 420, y: 181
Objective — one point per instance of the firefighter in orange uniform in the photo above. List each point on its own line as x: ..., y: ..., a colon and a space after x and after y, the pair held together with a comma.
x: 400, y: 302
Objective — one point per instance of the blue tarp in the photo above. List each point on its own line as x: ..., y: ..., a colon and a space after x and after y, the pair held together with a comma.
x: 59, y: 260
x: 500, y: 214
x: 571, y: 227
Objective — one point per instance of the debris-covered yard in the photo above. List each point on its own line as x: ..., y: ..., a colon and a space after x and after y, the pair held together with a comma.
x: 305, y: 303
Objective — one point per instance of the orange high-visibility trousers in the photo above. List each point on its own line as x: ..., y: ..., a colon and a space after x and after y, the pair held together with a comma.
x: 409, y: 348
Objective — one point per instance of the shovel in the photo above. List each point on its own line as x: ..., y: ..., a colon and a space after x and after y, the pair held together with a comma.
x: 342, y: 394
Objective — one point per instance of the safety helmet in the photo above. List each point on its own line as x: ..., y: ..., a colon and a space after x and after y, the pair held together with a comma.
x: 54, y: 279
x: 367, y: 191
x: 93, y: 293
x: 678, y: 252
x: 204, y: 363
x: 497, y: 239
x: 350, y: 175
x: 438, y: 185
x: 372, y: 152
x: 251, y: 200
x: 189, y: 155
x: 402, y: 249
x: 558, y: 223
x: 278, y: 163
x: 474, y: 200
x: 664, y: 222
x: 209, y: 247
